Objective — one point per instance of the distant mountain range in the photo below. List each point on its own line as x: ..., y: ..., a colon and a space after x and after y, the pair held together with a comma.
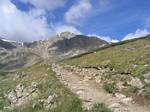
x: 59, y: 46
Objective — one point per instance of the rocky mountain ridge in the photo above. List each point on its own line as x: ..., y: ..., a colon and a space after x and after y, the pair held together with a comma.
x: 112, y: 78
x: 58, y: 47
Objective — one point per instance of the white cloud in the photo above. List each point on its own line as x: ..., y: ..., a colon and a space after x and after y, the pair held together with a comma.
x: 22, y: 26
x: 78, y: 11
x: 106, y: 38
x: 46, y: 4
x: 139, y: 33
x: 63, y: 28
x: 114, y: 41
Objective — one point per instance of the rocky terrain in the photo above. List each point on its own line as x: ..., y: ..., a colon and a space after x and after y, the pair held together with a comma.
x: 66, y: 74
x: 88, y: 84
x: 16, y: 54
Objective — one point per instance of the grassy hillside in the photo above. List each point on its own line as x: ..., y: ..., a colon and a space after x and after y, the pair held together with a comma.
x: 126, y: 57
x: 47, y: 84
x: 123, y: 67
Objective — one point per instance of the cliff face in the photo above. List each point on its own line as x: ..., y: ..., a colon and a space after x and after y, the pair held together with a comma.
x: 76, y: 45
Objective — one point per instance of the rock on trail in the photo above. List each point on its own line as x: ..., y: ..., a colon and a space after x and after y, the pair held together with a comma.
x: 90, y: 92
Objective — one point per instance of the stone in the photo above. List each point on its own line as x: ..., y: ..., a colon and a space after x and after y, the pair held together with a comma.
x: 114, y: 105
x: 21, y: 94
x: 21, y: 74
x: 120, y: 85
x: 19, y: 90
x: 120, y: 96
x: 80, y: 92
x: 127, y: 101
x: 87, y: 78
x: 12, y: 97
x: 147, y: 78
x: 33, y: 87
x: 147, y: 81
x: 50, y: 99
x: 135, y: 82
x: 98, y: 79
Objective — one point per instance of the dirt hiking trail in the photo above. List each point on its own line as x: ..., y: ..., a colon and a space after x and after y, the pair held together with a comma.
x: 90, y: 92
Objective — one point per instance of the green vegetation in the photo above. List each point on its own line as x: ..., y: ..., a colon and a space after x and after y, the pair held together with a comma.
x: 100, y: 107
x: 121, y: 61
x: 131, y: 57
x: 111, y: 87
x: 47, y: 84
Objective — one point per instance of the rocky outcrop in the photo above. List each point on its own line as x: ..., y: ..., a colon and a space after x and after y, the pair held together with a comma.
x: 135, y: 82
x: 75, y: 45
x: 147, y: 78
x: 60, y: 46
x: 46, y: 103
x: 22, y: 94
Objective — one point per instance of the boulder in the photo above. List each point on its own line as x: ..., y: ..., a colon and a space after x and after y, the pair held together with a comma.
x: 114, y: 105
x: 87, y: 78
x: 50, y: 101
x: 120, y: 96
x: 136, y: 82
x: 98, y: 79
x: 19, y: 90
x: 127, y: 101
x: 147, y: 78
x: 12, y: 97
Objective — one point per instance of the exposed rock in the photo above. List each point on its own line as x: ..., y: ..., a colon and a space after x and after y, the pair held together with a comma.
x: 127, y: 101
x: 12, y: 97
x: 120, y: 86
x: 19, y: 90
x: 21, y: 74
x: 21, y: 94
x: 80, y: 92
x: 76, y: 45
x: 120, y: 96
x: 98, y: 79
x: 33, y: 87
x: 50, y: 101
x: 147, y: 78
x: 115, y: 105
x: 135, y: 82
x: 87, y: 78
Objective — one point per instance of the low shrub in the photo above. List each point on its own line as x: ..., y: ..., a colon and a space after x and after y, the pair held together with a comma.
x: 100, y: 107
x: 111, y: 87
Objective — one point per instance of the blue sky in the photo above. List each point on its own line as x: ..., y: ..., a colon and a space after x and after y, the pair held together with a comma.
x: 28, y: 20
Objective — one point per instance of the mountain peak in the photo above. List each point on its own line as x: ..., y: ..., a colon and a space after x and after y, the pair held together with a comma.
x: 66, y: 34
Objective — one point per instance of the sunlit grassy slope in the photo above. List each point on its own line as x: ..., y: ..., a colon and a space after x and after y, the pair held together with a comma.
x: 125, y: 57
x: 47, y: 83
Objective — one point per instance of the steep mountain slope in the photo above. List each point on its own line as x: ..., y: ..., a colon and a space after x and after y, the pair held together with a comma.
x: 65, y: 45
x: 122, y: 67
x: 7, y: 45
x: 16, y: 54
x: 130, y: 56
x: 35, y: 89
x: 76, y: 45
